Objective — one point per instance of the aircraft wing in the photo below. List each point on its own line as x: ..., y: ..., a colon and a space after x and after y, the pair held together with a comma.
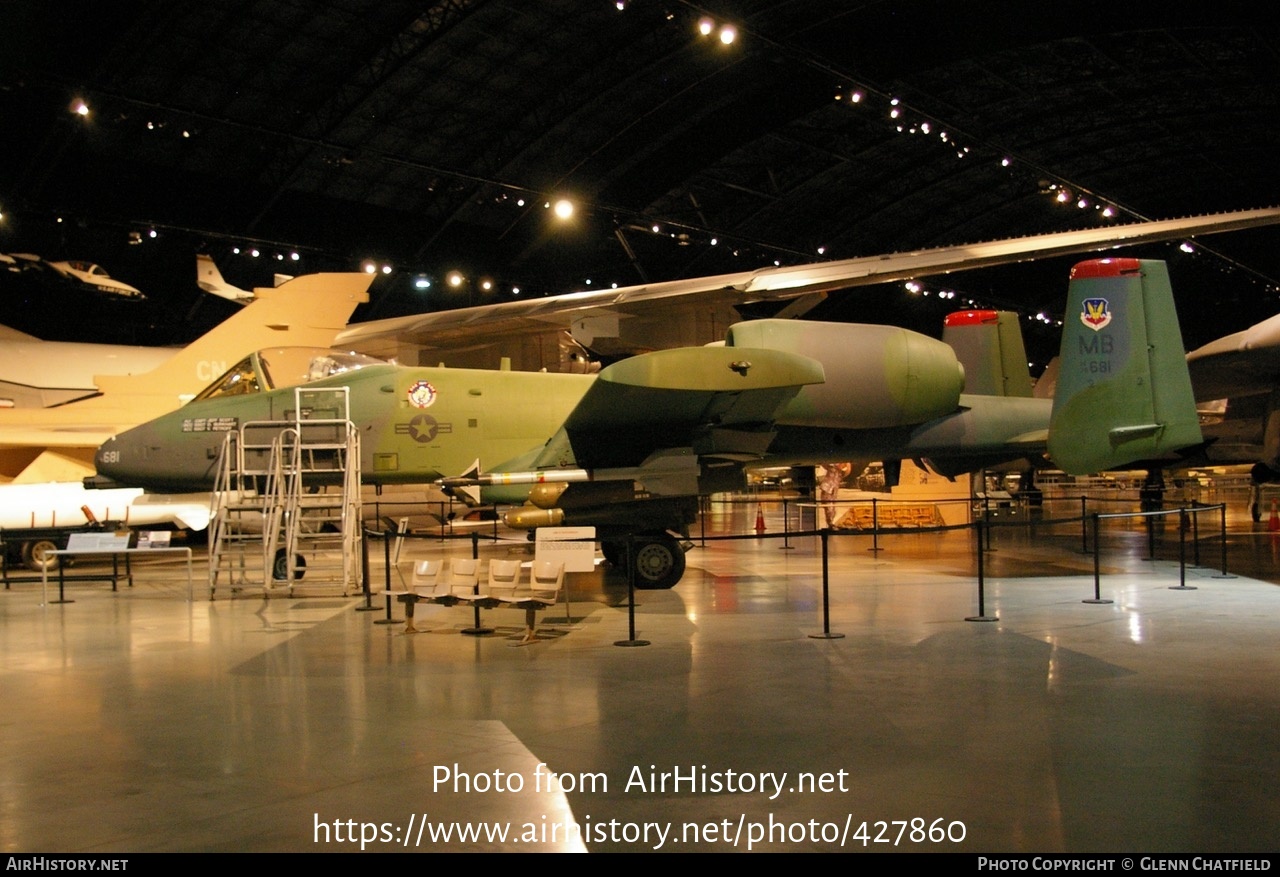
x: 708, y: 402
x: 1241, y: 364
x: 596, y: 313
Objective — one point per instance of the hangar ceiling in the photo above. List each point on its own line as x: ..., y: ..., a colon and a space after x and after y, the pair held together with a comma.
x: 429, y: 136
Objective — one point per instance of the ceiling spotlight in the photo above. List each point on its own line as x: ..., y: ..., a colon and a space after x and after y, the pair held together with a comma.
x: 294, y: 256
x: 856, y: 97
x: 79, y: 107
x: 151, y: 233
x: 706, y: 26
x: 1063, y: 196
x: 369, y: 267
x: 1082, y: 203
x: 486, y: 284
x: 728, y: 34
x: 254, y: 252
x: 421, y: 282
x: 456, y: 279
x: 1108, y: 212
x: 386, y: 269
x: 1186, y: 247
x: 564, y: 209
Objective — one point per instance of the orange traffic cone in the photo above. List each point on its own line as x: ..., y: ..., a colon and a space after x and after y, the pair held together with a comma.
x: 1274, y: 523
x: 760, y: 519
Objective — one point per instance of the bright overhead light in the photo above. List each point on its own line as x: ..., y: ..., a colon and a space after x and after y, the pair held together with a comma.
x: 728, y: 34
x: 706, y: 26
x: 563, y: 209
x: 456, y: 279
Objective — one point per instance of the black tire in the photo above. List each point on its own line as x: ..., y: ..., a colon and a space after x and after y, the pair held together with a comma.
x: 658, y: 563
x: 35, y: 555
x: 280, y: 566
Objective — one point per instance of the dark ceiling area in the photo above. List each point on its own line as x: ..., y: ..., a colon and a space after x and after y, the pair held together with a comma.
x: 430, y: 137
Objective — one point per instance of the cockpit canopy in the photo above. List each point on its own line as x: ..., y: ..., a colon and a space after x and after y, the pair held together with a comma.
x: 280, y: 367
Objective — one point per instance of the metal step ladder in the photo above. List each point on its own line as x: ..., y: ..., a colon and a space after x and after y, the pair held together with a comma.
x: 287, y: 501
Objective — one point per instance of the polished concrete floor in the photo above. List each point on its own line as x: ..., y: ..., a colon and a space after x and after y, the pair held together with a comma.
x: 138, y: 721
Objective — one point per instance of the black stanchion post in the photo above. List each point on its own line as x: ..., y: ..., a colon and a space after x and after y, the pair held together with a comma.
x: 631, y: 600
x: 1151, y: 537
x: 875, y: 526
x: 1182, y: 554
x: 62, y: 581
x: 386, y: 582
x: 1097, y: 566
x: 1084, y: 526
x: 1222, y: 530
x: 982, y: 578
x: 364, y: 576
x: 476, y: 628
x: 826, y: 593
x: 786, y: 527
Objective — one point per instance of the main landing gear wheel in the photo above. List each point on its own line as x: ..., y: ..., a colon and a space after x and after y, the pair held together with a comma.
x: 280, y: 566
x: 658, y: 563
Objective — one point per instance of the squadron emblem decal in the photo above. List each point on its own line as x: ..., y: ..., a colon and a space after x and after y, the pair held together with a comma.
x: 1096, y: 314
x: 422, y: 394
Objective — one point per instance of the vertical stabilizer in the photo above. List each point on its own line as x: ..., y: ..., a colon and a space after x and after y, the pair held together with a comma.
x: 307, y: 312
x: 1123, y: 392
x: 209, y: 279
x: 989, y: 346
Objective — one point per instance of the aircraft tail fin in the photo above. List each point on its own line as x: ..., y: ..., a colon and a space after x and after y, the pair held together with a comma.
x: 307, y: 312
x: 1123, y: 369
x: 989, y: 346
x: 209, y: 279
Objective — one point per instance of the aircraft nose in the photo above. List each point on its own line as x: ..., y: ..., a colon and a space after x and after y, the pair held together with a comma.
x: 124, y: 460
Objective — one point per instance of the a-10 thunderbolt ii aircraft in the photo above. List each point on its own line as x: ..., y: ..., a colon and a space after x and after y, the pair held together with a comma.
x: 629, y: 450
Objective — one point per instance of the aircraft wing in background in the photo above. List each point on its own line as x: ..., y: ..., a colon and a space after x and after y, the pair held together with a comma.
x: 698, y: 310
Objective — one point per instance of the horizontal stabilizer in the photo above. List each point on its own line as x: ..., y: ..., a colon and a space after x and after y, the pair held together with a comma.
x: 1123, y: 392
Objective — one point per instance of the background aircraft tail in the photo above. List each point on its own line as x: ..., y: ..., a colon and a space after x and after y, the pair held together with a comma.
x: 989, y: 346
x: 210, y: 279
x: 306, y: 312
x: 1123, y: 390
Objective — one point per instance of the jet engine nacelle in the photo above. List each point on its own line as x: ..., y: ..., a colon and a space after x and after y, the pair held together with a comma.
x: 876, y: 376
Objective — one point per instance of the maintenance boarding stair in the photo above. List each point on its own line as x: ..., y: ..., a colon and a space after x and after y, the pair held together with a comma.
x: 287, y: 510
